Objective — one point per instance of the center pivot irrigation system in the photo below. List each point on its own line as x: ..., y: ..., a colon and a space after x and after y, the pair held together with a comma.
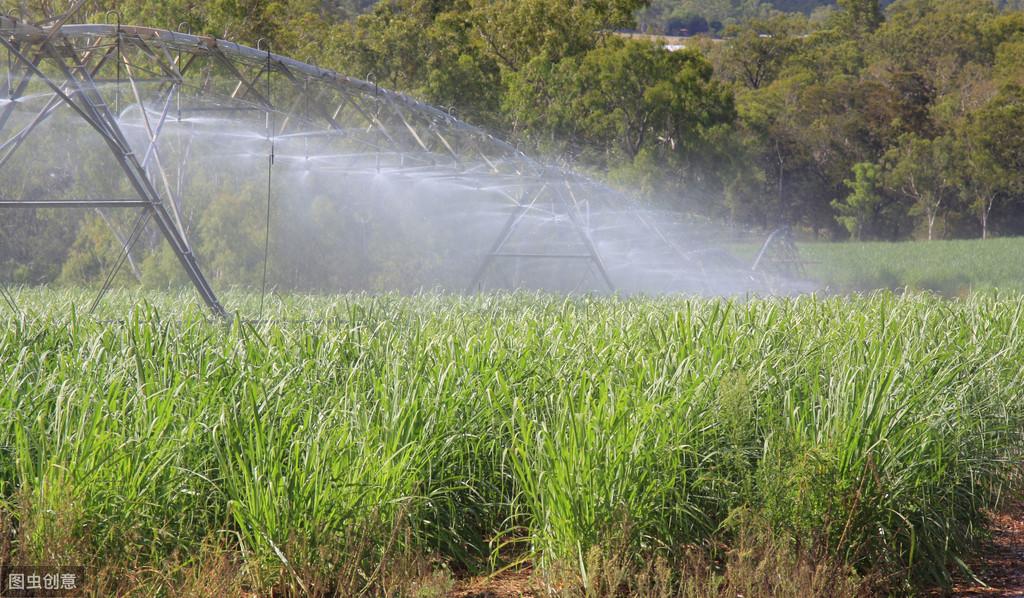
x: 97, y: 74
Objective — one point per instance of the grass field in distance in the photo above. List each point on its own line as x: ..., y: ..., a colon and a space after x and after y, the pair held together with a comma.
x: 951, y: 268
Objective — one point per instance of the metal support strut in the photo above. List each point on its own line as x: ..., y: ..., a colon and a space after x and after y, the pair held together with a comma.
x: 94, y: 110
x: 172, y: 76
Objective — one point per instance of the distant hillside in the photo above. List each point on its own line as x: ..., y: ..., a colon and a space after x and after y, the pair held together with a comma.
x: 346, y: 9
x: 804, y: 6
x: 688, y: 17
x: 682, y: 17
x: 677, y: 17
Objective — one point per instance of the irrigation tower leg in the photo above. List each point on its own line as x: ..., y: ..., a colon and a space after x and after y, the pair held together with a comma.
x: 94, y: 110
x: 574, y: 216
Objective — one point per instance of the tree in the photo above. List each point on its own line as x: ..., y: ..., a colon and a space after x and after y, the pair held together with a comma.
x: 999, y: 126
x: 389, y: 45
x: 774, y: 129
x: 96, y: 249
x: 758, y: 50
x: 860, y: 208
x: 936, y: 39
x: 922, y: 170
x: 628, y: 95
x: 859, y: 17
x: 994, y: 162
x: 978, y: 178
x: 231, y: 236
x: 517, y: 32
x: 688, y: 24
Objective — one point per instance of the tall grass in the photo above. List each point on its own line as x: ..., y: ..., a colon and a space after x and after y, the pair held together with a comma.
x: 329, y: 447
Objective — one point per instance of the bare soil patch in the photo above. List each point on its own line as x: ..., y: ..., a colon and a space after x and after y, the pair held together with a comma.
x: 1000, y: 565
x: 509, y: 584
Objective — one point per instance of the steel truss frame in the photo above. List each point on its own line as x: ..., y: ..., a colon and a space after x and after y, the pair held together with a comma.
x: 94, y: 69
x: 780, y: 253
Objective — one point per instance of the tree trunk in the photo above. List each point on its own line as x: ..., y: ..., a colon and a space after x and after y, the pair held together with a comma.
x: 783, y: 213
x: 986, y: 209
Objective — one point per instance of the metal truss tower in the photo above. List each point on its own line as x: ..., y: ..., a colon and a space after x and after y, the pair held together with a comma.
x: 94, y: 70
x: 138, y: 94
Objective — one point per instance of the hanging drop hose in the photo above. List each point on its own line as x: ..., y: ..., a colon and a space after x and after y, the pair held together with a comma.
x: 271, y: 125
x: 117, y: 88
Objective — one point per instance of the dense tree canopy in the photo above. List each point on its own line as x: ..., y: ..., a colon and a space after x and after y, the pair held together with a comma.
x: 910, y: 90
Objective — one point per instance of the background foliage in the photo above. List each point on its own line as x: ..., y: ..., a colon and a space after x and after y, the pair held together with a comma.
x: 864, y: 119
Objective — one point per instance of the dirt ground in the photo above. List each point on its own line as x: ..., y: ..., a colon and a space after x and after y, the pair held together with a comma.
x: 1000, y: 567
x: 513, y: 584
